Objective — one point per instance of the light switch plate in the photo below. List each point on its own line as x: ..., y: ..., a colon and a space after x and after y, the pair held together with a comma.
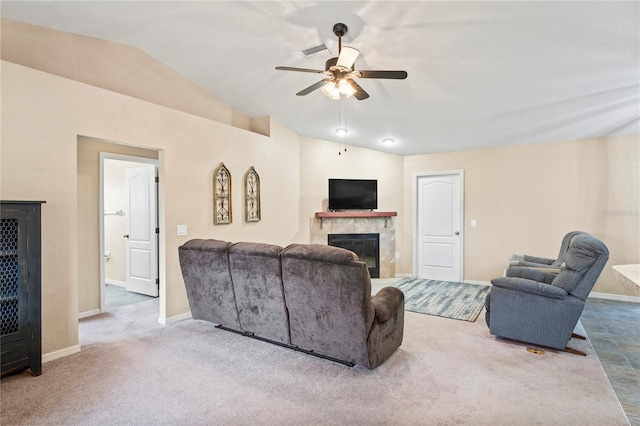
x: 474, y: 223
x: 182, y: 230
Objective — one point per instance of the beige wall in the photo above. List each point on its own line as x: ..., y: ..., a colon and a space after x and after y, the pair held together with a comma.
x: 39, y: 161
x: 526, y: 198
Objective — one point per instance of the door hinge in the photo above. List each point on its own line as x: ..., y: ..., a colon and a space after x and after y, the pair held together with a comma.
x: 157, y: 179
x: 158, y: 281
x: 157, y: 230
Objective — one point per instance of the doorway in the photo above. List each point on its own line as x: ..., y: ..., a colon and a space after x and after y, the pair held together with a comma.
x: 439, y: 220
x: 129, y: 230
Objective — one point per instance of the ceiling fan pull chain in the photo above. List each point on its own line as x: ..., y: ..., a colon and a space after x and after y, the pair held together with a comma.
x: 339, y: 132
x: 345, y: 125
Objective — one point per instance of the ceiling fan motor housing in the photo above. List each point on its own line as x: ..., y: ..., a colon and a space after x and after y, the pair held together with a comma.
x: 340, y: 29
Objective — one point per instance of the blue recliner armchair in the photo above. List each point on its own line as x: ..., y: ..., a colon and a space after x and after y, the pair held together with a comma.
x: 534, y: 306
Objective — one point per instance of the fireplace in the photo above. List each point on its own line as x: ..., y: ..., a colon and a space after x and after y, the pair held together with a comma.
x: 366, y: 246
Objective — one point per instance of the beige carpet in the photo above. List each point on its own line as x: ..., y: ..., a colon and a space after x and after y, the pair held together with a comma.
x: 134, y: 371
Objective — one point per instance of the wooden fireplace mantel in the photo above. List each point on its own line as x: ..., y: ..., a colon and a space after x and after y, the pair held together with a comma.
x: 356, y: 214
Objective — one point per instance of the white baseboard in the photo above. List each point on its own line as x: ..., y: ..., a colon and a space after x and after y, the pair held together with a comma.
x: 175, y: 318
x: 61, y: 353
x: 616, y: 297
x: 115, y: 282
x: 90, y: 313
x: 402, y: 275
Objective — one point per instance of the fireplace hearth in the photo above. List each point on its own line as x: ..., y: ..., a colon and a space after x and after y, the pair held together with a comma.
x: 366, y: 246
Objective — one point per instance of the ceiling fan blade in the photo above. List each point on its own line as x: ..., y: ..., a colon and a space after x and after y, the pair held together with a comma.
x: 347, y: 57
x: 395, y: 75
x: 359, y: 94
x: 313, y: 87
x: 300, y: 70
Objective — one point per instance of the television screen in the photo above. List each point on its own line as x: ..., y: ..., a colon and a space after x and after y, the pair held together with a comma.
x: 345, y: 194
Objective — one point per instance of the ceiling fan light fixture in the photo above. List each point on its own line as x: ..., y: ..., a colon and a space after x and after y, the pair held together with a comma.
x: 340, y: 72
x: 347, y: 57
x: 331, y: 90
x: 345, y: 88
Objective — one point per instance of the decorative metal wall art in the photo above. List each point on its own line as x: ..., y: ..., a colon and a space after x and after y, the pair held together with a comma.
x: 221, y: 195
x: 252, y: 195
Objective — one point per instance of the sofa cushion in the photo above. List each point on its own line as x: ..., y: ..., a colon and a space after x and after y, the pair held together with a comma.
x: 205, y: 269
x: 328, y: 295
x: 207, y: 245
x: 320, y: 253
x: 257, y: 280
x: 256, y: 249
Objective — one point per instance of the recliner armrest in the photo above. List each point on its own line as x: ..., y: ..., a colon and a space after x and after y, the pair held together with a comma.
x: 529, y: 286
x: 387, y: 302
x: 543, y: 275
x: 526, y: 260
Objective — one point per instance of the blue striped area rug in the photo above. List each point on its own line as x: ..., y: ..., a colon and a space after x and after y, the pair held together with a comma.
x: 459, y: 301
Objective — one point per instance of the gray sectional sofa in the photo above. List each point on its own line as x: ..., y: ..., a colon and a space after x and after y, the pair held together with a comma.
x: 311, y: 298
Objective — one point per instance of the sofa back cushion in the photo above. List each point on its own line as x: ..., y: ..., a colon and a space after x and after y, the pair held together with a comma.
x: 257, y: 280
x: 205, y: 269
x: 328, y: 295
x: 584, y: 261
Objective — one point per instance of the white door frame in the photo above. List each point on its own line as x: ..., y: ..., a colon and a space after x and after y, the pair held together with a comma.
x: 110, y: 156
x: 416, y: 177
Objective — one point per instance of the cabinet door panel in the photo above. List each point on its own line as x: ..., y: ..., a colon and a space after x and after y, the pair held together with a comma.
x: 20, y: 287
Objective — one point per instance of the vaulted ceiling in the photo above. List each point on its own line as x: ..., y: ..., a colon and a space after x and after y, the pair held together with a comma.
x: 480, y: 74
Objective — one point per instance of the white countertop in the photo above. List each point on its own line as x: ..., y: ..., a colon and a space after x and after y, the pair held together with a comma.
x: 627, y: 274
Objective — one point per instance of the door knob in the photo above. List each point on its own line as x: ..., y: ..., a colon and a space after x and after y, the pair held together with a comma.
x: 457, y: 233
x: 126, y: 235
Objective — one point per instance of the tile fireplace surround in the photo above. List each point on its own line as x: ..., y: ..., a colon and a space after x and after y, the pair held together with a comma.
x: 321, y: 227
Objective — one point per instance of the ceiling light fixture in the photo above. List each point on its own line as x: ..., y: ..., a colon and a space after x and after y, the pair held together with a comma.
x: 341, y: 131
x: 336, y: 89
x: 340, y: 72
x: 331, y: 90
x: 345, y: 88
x: 388, y: 141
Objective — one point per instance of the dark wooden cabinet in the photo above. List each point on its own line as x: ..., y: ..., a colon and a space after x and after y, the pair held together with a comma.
x: 20, y: 286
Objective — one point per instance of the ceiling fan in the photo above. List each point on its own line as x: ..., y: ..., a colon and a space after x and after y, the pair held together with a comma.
x: 341, y: 72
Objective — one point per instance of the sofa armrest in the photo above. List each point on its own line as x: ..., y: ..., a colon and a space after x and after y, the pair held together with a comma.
x: 543, y: 275
x: 529, y: 286
x: 387, y: 302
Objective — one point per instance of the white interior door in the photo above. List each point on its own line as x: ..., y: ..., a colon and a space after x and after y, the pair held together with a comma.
x: 141, y: 244
x: 439, y: 223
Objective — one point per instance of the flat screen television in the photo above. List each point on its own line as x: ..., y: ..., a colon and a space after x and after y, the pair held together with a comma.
x: 353, y: 194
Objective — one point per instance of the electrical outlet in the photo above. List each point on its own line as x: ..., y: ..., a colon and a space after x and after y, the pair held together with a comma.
x: 182, y: 230
x: 397, y: 255
x: 474, y: 223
